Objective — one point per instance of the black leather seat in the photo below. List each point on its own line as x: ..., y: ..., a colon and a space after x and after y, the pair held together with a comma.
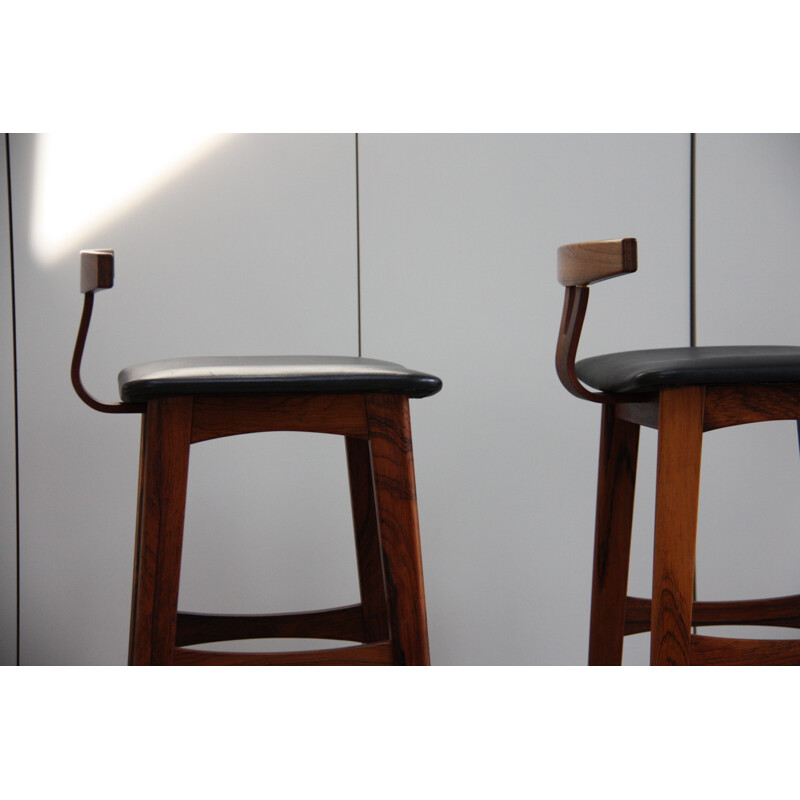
x: 260, y: 375
x: 640, y: 371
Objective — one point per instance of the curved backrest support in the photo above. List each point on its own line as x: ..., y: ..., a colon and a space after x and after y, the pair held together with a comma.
x: 578, y: 266
x: 97, y: 272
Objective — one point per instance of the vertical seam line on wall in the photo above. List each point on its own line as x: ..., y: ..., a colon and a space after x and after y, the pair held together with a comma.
x: 692, y: 265
x: 358, y: 251
x: 692, y: 293
x: 16, y: 398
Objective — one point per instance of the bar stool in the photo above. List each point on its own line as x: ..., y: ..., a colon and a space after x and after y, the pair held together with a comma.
x: 682, y: 392
x: 190, y: 400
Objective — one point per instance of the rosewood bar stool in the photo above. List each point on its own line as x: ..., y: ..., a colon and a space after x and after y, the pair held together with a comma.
x: 190, y: 400
x: 682, y: 392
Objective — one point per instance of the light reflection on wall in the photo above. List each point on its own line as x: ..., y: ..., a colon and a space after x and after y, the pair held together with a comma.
x: 83, y: 181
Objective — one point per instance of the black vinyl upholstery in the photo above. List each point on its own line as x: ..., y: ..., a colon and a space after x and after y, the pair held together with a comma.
x: 638, y: 371
x: 254, y: 375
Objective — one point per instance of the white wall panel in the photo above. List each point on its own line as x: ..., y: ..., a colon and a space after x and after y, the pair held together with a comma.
x: 459, y: 238
x: 748, y: 292
x: 251, y: 248
x: 248, y: 247
x: 8, y: 480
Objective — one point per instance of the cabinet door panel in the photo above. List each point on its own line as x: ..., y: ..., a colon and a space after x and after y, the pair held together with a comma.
x: 246, y: 246
x: 459, y: 238
x: 748, y: 292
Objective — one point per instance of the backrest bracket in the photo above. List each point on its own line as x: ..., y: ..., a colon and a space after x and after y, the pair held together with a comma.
x: 97, y: 272
x: 578, y: 266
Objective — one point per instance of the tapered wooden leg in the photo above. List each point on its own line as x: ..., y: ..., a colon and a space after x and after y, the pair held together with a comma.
x: 616, y: 482
x: 136, y: 546
x: 680, y: 434
x: 368, y: 543
x: 393, y: 471
x: 164, y: 472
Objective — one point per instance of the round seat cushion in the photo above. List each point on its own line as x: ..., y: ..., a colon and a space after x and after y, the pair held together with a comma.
x: 254, y: 375
x: 638, y: 371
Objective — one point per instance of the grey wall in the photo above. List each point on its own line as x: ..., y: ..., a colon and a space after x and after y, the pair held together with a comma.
x: 748, y: 292
x: 252, y: 248
x: 459, y: 235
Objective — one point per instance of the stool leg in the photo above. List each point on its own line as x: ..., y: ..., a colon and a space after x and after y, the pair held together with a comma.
x: 616, y: 482
x: 368, y: 542
x: 680, y: 436
x: 164, y: 471
x: 136, y: 546
x: 393, y: 473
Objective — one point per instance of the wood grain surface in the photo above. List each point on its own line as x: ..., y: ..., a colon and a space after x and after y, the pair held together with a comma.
x: 718, y: 651
x: 584, y: 263
x: 97, y: 270
x: 741, y: 405
x: 780, y: 612
x: 395, y: 490
x: 342, y: 414
x: 165, y: 471
x: 619, y: 446
x: 391, y: 620
x: 368, y: 541
x: 677, y: 494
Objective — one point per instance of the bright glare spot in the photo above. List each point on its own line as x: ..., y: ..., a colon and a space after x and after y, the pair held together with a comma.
x: 82, y: 181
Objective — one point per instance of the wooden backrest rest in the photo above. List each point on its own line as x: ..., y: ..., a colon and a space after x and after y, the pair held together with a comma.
x: 97, y: 270
x: 589, y: 262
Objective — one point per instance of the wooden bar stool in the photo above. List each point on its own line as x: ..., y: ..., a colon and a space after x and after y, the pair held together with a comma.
x: 682, y: 392
x: 190, y: 400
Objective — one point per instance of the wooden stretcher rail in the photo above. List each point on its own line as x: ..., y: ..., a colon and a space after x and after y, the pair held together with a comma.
x: 717, y: 651
x: 779, y: 612
x: 345, y: 623
x: 364, y: 654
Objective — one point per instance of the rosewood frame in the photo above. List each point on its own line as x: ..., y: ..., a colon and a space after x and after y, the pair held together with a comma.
x: 389, y: 625
x: 681, y: 416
